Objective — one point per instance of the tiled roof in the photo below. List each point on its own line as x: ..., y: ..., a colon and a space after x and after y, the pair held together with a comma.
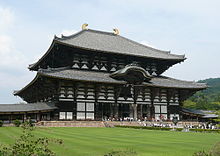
x: 41, y: 106
x: 110, y: 42
x: 79, y: 75
x: 204, y: 114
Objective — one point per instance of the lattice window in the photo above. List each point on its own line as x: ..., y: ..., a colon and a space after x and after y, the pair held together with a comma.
x: 85, y: 110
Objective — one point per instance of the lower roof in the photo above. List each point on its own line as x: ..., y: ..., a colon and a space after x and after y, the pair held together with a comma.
x: 93, y: 76
x: 30, y: 107
x: 103, y: 77
x: 204, y: 114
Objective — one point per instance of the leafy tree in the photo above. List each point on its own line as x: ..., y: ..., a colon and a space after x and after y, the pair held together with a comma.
x: 215, y: 151
x: 208, y: 99
x: 17, y: 123
x: 29, y: 145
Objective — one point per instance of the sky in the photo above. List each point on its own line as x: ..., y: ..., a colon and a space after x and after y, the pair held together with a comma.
x: 190, y: 27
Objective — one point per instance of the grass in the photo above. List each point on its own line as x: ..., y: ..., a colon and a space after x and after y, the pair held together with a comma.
x: 99, y: 141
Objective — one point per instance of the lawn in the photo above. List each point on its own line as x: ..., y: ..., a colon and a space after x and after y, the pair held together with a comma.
x: 97, y: 141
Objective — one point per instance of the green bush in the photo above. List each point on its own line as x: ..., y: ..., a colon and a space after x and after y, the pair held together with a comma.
x: 127, y: 152
x: 215, y: 151
x: 150, y: 128
x: 29, y: 145
x: 29, y: 123
x: 201, y: 153
x: 168, y: 129
x: 17, y: 122
x: 205, y: 130
x: 1, y: 123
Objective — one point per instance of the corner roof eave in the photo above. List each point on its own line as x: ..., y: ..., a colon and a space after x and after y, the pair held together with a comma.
x: 34, y: 65
x: 29, y: 84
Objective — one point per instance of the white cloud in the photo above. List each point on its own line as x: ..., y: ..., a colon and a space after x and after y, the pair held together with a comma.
x: 9, y: 55
x: 6, y: 18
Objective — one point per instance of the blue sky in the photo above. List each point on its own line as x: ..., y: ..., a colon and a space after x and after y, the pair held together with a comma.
x: 183, y: 27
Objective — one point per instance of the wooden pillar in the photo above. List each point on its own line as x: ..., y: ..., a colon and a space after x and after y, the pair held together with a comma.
x: 111, y: 110
x: 134, y: 111
x: 154, y: 92
x: 139, y: 111
x: 131, y: 114
x: 168, y: 103
x: 116, y: 95
x: 136, y: 91
x: 116, y: 110
x: 25, y: 116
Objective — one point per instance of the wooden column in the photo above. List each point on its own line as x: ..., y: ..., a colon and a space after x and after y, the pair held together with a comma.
x: 154, y: 92
x: 116, y: 95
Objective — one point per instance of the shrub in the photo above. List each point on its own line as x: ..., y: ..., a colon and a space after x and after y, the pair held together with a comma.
x: 17, y: 122
x: 201, y: 153
x: 1, y: 123
x: 150, y: 128
x: 215, y: 151
x: 29, y: 123
x: 29, y: 145
x: 168, y: 129
x: 127, y: 152
x: 206, y: 130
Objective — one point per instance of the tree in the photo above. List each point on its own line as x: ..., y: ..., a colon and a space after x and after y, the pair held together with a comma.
x: 29, y: 145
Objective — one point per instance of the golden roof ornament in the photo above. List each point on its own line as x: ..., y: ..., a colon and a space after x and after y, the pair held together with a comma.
x: 116, y: 31
x: 84, y: 26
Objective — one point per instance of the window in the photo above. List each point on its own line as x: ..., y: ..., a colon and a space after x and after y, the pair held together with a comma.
x: 69, y: 115
x: 90, y: 116
x: 89, y: 107
x: 66, y: 115
x: 80, y: 115
x: 157, y: 109
x: 172, y: 115
x: 160, y: 112
x: 85, y: 111
x: 62, y: 115
x: 80, y: 106
x: 163, y: 109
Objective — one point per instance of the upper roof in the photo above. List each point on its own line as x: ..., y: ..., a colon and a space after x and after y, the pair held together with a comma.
x: 19, y: 108
x: 108, y: 42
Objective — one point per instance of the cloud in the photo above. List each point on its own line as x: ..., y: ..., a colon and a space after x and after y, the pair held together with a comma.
x: 6, y: 18
x: 9, y: 55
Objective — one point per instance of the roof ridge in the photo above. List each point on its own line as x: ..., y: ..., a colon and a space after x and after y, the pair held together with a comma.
x: 63, y: 37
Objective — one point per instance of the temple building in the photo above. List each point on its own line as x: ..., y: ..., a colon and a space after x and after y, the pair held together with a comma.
x: 96, y: 75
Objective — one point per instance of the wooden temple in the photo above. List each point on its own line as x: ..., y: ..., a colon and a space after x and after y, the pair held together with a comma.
x: 96, y: 75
